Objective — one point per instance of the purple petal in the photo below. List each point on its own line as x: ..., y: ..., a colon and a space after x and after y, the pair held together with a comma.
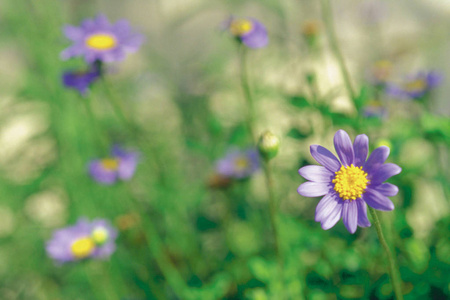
x: 384, y: 172
x: 326, y: 206
x: 257, y: 37
x: 73, y: 33
x: 344, y: 147
x: 387, y: 189
x: 361, y: 148
x: 127, y: 167
x: 376, y: 159
x: 434, y: 79
x: 100, y: 174
x: 316, y: 173
x: 333, y: 217
x: 377, y: 200
x: 313, y: 189
x: 350, y: 215
x: 363, y: 221
x: 324, y: 157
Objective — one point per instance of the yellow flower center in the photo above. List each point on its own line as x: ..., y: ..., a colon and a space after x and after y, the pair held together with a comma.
x: 416, y: 85
x: 101, y: 41
x: 240, y: 27
x: 241, y: 163
x: 350, y: 182
x: 110, y: 164
x: 99, y: 235
x: 82, y: 248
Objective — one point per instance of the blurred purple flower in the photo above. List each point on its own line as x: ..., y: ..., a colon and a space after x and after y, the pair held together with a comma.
x: 249, y: 31
x: 80, y: 80
x: 415, y: 86
x: 98, y: 39
x: 238, y: 164
x: 85, y: 239
x: 375, y: 109
x: 350, y: 183
x: 121, y: 165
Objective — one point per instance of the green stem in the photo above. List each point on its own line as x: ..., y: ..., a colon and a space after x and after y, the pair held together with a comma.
x: 395, y: 280
x: 246, y: 90
x: 327, y: 17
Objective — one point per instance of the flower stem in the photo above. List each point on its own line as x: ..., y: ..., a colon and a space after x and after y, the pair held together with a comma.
x: 327, y: 17
x: 395, y: 280
x: 246, y: 90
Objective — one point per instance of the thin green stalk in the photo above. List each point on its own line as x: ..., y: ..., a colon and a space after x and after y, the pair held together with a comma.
x: 395, y: 280
x: 327, y: 17
x: 250, y: 118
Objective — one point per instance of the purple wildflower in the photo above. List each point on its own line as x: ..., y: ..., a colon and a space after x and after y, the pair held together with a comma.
x: 249, y: 31
x: 98, y: 39
x: 85, y: 239
x: 238, y: 164
x: 415, y: 86
x: 375, y: 109
x: 121, y: 165
x: 80, y: 80
x: 349, y: 184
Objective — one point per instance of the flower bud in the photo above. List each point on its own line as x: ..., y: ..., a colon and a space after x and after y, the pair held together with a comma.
x: 268, y: 145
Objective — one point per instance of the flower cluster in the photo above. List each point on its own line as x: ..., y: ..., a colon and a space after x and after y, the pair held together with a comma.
x: 349, y: 184
x: 83, y: 240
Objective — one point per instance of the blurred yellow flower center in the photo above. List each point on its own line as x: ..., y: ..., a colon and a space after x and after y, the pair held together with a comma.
x: 241, y: 163
x: 240, y: 27
x: 101, y: 41
x: 416, y: 85
x: 350, y: 182
x: 99, y: 235
x: 82, y: 248
x: 110, y: 163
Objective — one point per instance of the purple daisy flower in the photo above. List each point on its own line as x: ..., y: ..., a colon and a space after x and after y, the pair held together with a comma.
x: 415, y: 86
x: 121, y: 165
x: 238, y: 164
x: 80, y: 80
x: 98, y: 39
x: 249, y: 31
x: 83, y: 240
x: 350, y: 184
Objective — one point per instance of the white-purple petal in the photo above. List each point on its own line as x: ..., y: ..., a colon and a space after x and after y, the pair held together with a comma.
x: 316, y: 173
x: 361, y: 148
x: 313, y: 189
x: 383, y: 173
x: 333, y: 217
x: 377, y: 200
x: 376, y: 159
x: 324, y: 157
x: 326, y: 206
x: 387, y: 189
x: 350, y: 215
x: 344, y: 147
x: 363, y: 221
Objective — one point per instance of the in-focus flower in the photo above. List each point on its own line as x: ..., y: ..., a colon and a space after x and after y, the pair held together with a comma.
x: 249, y: 31
x: 120, y: 165
x: 80, y: 80
x: 349, y: 184
x: 238, y: 164
x: 415, y: 86
x: 98, y: 39
x: 85, y: 239
x: 375, y: 109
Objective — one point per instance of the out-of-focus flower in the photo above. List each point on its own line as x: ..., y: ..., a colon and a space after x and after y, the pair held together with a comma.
x: 310, y: 31
x: 415, y: 86
x: 380, y: 72
x: 268, y: 145
x: 127, y: 221
x: 80, y: 80
x: 350, y: 183
x: 249, y: 31
x: 375, y: 109
x: 121, y: 165
x: 238, y: 164
x: 85, y: 239
x: 98, y: 39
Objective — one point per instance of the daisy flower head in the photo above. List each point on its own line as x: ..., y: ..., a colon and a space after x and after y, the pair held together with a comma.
x: 248, y: 31
x: 415, y: 86
x: 98, y: 39
x: 121, y: 165
x: 351, y: 182
x: 83, y: 240
x: 239, y: 164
